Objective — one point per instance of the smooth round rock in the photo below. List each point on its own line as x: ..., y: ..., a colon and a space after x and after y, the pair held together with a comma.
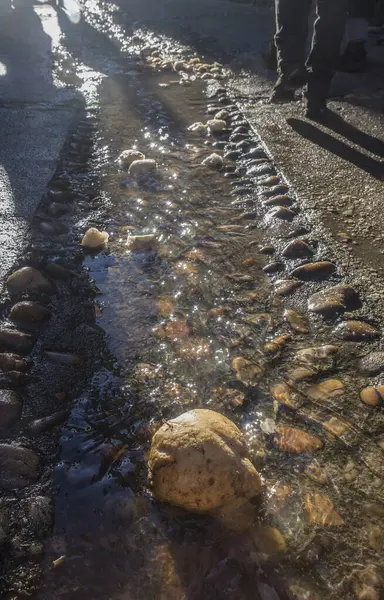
x: 335, y: 299
x: 127, y: 157
x: 141, y: 243
x: 372, y: 395
x: 280, y: 200
x: 142, y: 167
x: 200, y: 461
x: 18, y: 466
x: 280, y: 212
x: 316, y: 270
x: 325, y: 390
x: 296, y: 321
x: 10, y: 408
x: 274, y: 267
x: 356, y: 331
x: 12, y: 362
x: 17, y: 341
x: 296, y: 441
x: 297, y: 249
x: 372, y: 363
x: 285, y: 287
x: 213, y: 161
x: 94, y: 239
x: 27, y: 279
x: 29, y: 312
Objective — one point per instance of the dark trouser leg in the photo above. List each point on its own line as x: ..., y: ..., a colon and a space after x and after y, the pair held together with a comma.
x: 328, y: 34
x: 291, y: 35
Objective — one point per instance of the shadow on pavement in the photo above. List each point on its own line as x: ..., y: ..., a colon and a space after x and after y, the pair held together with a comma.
x: 335, y: 146
x: 337, y: 124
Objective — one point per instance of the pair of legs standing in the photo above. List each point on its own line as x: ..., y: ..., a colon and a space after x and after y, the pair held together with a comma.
x: 291, y: 39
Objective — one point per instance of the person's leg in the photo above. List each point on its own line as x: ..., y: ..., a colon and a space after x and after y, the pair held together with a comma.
x: 290, y: 40
x: 324, y: 57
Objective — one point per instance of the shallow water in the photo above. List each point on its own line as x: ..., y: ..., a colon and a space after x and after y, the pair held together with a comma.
x: 117, y: 541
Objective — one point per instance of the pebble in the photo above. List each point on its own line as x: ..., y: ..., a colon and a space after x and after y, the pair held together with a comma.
x: 40, y: 425
x: 285, y: 287
x: 321, y: 511
x: 373, y: 395
x: 216, y: 125
x: 335, y: 299
x: 356, y: 331
x: 267, y: 250
x: 376, y: 538
x: 16, y: 341
x: 320, y: 356
x: 276, y: 190
x: 280, y: 200
x: 12, y: 362
x: 27, y: 279
x: 274, y: 267
x: 316, y: 474
x: 372, y: 363
x: 349, y: 471
x: 297, y: 249
x: 296, y: 441
x: 18, y: 466
x: 94, y: 239
x: 213, y: 161
x: 373, y: 509
x: 141, y: 243
x: 276, y: 344
x: 269, y: 182
x: 316, y: 270
x: 257, y: 152
x: 222, y: 115
x: 367, y: 583
x: 232, y: 154
x: 174, y: 330
x: 285, y: 395
x: 269, y: 540
x: 10, y: 408
x: 296, y: 321
x: 142, y: 167
x: 197, y: 128
x: 247, y: 372
x: 237, y: 137
x: 280, y: 212
x: 325, y: 390
x: 28, y: 312
x: 127, y: 157
x: 335, y: 426
x: 65, y: 358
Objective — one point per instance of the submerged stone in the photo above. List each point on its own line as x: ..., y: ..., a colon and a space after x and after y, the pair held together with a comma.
x: 18, y: 466
x: 356, y: 331
x: 325, y: 390
x: 127, y: 157
x: 285, y: 394
x: 216, y: 125
x: 213, y: 161
x: 247, y: 372
x: 141, y: 243
x: 29, y: 312
x: 142, y: 167
x: 296, y: 441
x: 280, y: 200
x: 200, y: 461
x: 11, y: 339
x: 296, y: 321
x: 280, y: 212
x: 285, y: 287
x: 12, y: 362
x: 321, y: 511
x: 316, y: 270
x: 372, y: 395
x: 27, y: 279
x: 10, y: 408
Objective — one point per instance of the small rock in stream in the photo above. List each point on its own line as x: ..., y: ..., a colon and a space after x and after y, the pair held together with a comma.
x: 12, y: 362
x: 45, y: 423
x: 372, y: 363
x: 280, y: 212
x: 267, y: 250
x: 296, y: 321
x: 142, y: 167
x: 356, y: 331
x: 325, y: 390
x: 246, y: 371
x: 213, y: 161
x: 18, y: 466
x: 27, y: 279
x: 274, y: 267
x: 316, y: 270
x: 29, y: 312
x: 335, y: 299
x: 94, y: 239
x: 141, y: 243
x: 320, y: 510
x: 216, y: 125
x: 276, y: 190
x: 297, y: 249
x: 296, y: 441
x: 372, y: 395
x: 127, y: 157
x: 10, y: 408
x: 280, y: 200
x: 16, y: 341
x: 285, y: 287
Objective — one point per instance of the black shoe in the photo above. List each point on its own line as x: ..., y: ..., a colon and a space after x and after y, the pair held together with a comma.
x: 315, y: 108
x: 354, y: 59
x: 284, y: 88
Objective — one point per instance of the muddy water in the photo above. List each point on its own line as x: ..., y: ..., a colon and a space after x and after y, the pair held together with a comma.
x: 174, y: 319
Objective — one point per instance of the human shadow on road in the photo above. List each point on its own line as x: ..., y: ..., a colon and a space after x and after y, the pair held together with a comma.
x: 371, y: 143
x: 328, y: 142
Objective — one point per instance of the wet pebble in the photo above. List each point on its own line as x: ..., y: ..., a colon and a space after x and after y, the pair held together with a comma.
x: 335, y: 299
x: 232, y: 154
x: 316, y: 270
x: 286, y: 395
x: 274, y: 267
x: 12, y: 362
x: 141, y: 243
x: 216, y: 125
x: 356, y: 331
x: 127, y: 157
x: 94, y: 239
x: 296, y: 441
x: 18, y: 466
x: 16, y: 341
x: 280, y: 200
x: 336, y: 427
x: 269, y: 181
x: 27, y: 279
x: 321, y: 511
x: 222, y: 115
x: 241, y: 129
x: 296, y: 321
x: 314, y: 472
x: 38, y: 426
x: 29, y: 312
x: 276, y: 190
x: 276, y: 344
x: 280, y: 212
x: 297, y: 249
x: 10, y: 408
x: 142, y: 167
x: 213, y: 161
x: 376, y: 538
x: 372, y: 363
x: 269, y: 540
x: 325, y: 390
x: 267, y: 250
x: 285, y: 287
x: 257, y: 152
x: 246, y: 371
x: 372, y: 395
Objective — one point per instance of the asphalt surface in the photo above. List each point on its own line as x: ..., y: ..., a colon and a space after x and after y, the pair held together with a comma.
x: 34, y: 119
